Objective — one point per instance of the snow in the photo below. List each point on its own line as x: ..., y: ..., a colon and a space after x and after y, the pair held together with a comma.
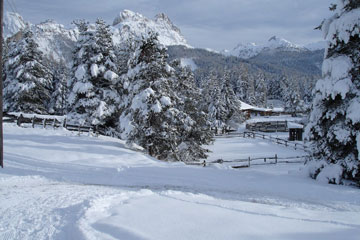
x: 330, y: 173
x: 353, y: 111
x: 166, y: 101
x: 344, y: 27
x: 81, y: 87
x: 60, y: 185
x: 156, y: 107
x: 140, y: 100
x: 110, y: 75
x: 80, y: 72
x: 337, y: 67
x: 295, y: 125
x: 94, y: 69
x: 188, y: 62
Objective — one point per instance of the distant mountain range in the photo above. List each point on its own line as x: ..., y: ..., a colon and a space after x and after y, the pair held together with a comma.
x: 276, y: 56
x: 272, y: 46
x: 57, y: 42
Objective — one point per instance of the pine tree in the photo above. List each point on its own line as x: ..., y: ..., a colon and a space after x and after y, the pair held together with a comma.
x: 28, y: 82
x: 335, y: 118
x: 94, y: 95
x: 221, y: 103
x: 157, y: 115
x: 291, y: 96
x: 260, y: 90
x: 197, y: 132
x: 231, y: 106
x: 59, y: 95
x: 149, y: 115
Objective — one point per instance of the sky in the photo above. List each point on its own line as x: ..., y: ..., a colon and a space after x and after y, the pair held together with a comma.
x: 215, y: 24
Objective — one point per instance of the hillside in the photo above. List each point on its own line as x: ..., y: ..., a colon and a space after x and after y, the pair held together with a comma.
x: 58, y: 185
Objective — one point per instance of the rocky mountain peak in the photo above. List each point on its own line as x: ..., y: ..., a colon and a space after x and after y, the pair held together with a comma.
x: 130, y: 24
x: 13, y: 23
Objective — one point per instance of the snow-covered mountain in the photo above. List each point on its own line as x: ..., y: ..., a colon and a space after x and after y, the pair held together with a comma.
x: 13, y: 23
x: 274, y: 44
x: 129, y: 24
x: 55, y: 40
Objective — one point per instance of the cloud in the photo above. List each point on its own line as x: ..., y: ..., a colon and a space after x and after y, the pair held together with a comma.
x: 205, y: 23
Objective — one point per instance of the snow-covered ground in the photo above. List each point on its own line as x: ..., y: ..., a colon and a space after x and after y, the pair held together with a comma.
x: 58, y: 185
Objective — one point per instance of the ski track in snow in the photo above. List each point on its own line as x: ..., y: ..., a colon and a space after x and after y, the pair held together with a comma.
x: 57, y: 185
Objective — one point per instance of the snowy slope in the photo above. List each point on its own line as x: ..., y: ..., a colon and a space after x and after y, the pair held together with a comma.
x: 250, y: 50
x: 58, y: 185
x: 129, y: 24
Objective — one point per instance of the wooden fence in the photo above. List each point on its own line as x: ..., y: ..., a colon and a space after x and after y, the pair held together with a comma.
x: 55, y: 123
x: 269, y: 126
x: 248, y: 162
x: 281, y: 141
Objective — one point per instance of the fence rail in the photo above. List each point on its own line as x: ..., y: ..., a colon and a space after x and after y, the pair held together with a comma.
x: 248, y: 162
x: 53, y: 122
x: 281, y: 141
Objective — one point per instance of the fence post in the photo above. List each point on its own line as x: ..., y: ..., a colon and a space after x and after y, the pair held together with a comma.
x: 33, y: 122
x: 19, y: 120
x: 64, y: 123
x: 295, y: 146
x: 276, y: 158
x: 249, y: 161
x: 204, y: 163
x: 54, y: 123
x: 44, y: 123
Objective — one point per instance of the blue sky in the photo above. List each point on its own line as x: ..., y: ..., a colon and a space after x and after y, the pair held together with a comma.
x: 216, y: 24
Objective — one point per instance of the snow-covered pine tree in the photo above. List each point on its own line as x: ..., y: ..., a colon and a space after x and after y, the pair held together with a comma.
x: 260, y: 90
x: 212, y: 102
x: 250, y: 93
x: 242, y: 84
x: 152, y: 116
x: 231, y: 106
x: 291, y: 95
x: 196, y: 133
x: 149, y: 114
x: 28, y: 82
x: 94, y: 98
x: 220, y: 102
x: 59, y: 95
x: 335, y: 118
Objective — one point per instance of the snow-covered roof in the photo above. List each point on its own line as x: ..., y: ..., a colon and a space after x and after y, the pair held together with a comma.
x: 246, y: 106
x: 295, y: 125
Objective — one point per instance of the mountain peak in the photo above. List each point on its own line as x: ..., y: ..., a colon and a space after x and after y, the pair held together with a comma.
x: 163, y: 19
x: 127, y: 15
x: 273, y: 38
x: 131, y: 24
x: 13, y: 23
x: 274, y: 43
